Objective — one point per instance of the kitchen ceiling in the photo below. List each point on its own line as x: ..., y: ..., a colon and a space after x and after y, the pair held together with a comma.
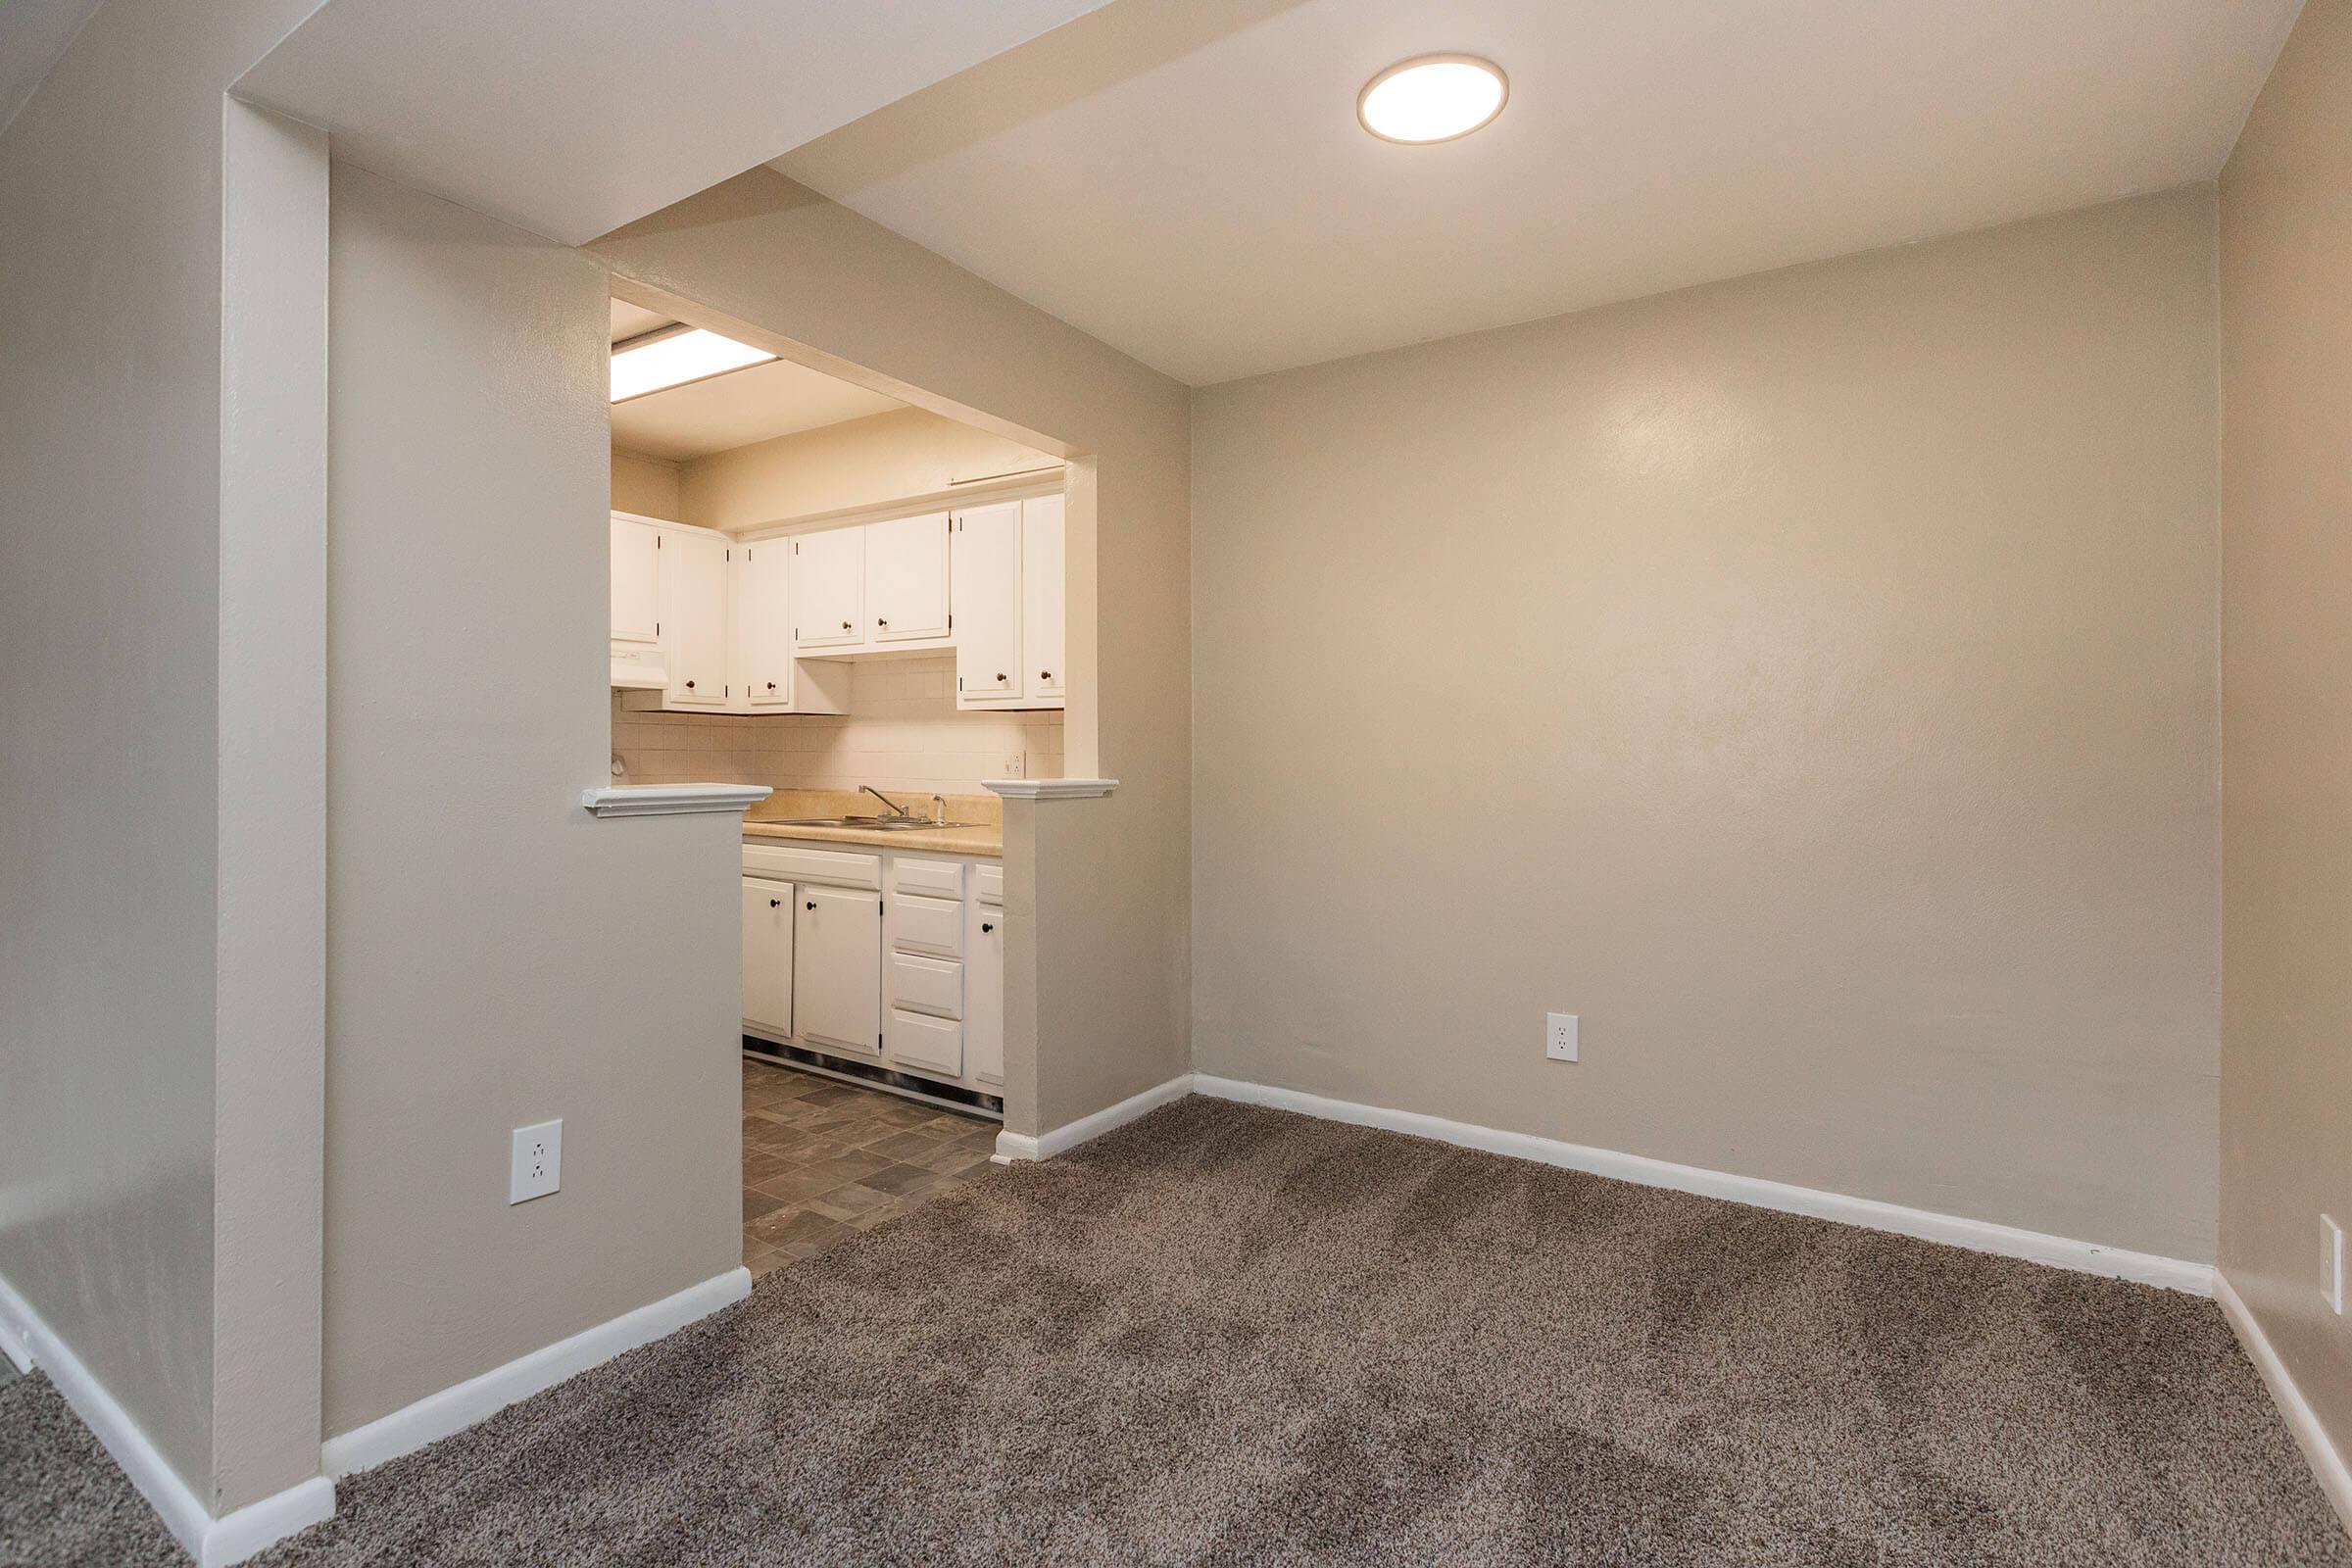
x: 734, y: 409
x: 1186, y: 179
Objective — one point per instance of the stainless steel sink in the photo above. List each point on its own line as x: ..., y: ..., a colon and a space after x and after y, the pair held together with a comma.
x: 876, y: 825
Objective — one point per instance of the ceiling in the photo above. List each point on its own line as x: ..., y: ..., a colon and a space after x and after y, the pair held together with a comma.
x: 571, y: 118
x: 33, y: 35
x: 734, y: 409
x: 1186, y: 179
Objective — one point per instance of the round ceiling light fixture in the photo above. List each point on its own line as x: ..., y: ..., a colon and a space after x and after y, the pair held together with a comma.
x: 1433, y: 98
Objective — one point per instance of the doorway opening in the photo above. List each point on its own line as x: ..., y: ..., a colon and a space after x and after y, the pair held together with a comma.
x: 859, y: 604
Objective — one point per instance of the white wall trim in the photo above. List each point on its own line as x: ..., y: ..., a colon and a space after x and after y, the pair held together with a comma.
x: 1013, y: 1146
x: 1979, y: 1235
x: 259, y: 1526
x: 213, y: 1542
x: 1050, y: 789
x: 2328, y: 1465
x: 673, y: 799
x: 460, y: 1406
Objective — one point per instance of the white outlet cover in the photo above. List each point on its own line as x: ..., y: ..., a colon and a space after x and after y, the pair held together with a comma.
x: 1017, y: 765
x: 1559, y: 1036
x: 2332, y: 1264
x: 538, y: 1167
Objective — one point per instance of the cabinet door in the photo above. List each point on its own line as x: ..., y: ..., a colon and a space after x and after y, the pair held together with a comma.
x: 988, y: 605
x: 1044, y: 594
x: 828, y: 588
x: 984, y: 994
x: 767, y: 922
x: 762, y: 669
x: 694, y: 615
x: 906, y: 578
x: 837, y: 968
x: 636, y: 581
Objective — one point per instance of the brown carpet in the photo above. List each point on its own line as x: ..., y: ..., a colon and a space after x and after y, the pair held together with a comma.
x: 1232, y: 1336
x: 63, y: 1501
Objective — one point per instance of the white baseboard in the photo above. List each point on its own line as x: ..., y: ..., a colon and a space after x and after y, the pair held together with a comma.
x: 2327, y: 1462
x: 211, y: 1543
x: 1012, y: 1146
x: 1980, y: 1236
x: 460, y: 1406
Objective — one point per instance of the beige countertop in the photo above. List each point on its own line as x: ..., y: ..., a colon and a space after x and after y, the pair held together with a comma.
x: 983, y: 814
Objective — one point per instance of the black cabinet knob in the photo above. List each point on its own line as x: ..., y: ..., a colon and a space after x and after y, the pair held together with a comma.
x: 846, y: 627
x: 1000, y: 681
x: 1045, y: 675
x: 771, y: 685
x: 775, y: 903
x: 985, y: 927
x: 813, y: 904
x: 689, y: 684
x: 881, y: 621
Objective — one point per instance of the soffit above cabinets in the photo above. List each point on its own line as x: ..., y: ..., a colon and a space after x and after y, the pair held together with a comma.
x: 1188, y: 182
x: 734, y: 409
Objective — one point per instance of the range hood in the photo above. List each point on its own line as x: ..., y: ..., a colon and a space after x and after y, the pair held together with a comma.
x: 639, y: 669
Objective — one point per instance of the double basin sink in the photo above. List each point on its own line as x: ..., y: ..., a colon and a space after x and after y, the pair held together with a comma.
x: 880, y: 824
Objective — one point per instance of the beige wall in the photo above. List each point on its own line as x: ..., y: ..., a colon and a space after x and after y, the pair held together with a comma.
x: 2286, y: 702
x: 902, y: 732
x: 495, y: 956
x: 111, y: 642
x: 1105, y: 940
x: 875, y: 460
x: 646, y: 486
x: 1808, y: 680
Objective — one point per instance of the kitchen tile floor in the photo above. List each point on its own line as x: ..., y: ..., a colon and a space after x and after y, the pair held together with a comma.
x: 824, y: 1158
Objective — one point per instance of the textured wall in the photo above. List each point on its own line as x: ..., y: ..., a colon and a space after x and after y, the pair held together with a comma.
x: 110, y: 639
x: 495, y: 956
x: 1809, y: 680
x: 2287, y: 703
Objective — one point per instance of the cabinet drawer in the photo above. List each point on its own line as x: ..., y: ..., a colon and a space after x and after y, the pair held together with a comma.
x: 792, y: 863
x: 933, y: 880
x: 926, y: 925
x: 926, y: 985
x: 925, y: 1045
x: 988, y: 884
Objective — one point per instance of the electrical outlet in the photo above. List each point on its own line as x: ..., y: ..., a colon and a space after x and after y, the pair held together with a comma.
x: 538, y: 1168
x: 1559, y: 1036
x: 2332, y: 1264
x: 1017, y: 765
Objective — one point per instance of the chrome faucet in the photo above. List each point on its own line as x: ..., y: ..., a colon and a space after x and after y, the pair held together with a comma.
x: 939, y: 809
x: 895, y: 809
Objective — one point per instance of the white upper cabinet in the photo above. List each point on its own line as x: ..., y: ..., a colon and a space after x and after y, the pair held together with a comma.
x: 987, y: 577
x: 762, y: 626
x: 828, y: 588
x: 636, y: 580
x: 1044, y: 615
x: 694, y: 616
x: 907, y: 579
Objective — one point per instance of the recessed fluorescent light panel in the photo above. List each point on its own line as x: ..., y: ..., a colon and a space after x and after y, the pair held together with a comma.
x: 673, y: 358
x: 1433, y: 98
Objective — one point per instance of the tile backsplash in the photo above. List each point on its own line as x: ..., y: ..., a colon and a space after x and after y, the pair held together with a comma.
x: 901, y: 730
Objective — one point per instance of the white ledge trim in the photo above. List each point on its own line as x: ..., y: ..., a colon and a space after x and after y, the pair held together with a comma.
x: 673, y: 799
x: 1050, y: 789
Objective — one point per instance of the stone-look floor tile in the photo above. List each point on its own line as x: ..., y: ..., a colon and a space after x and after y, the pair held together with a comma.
x: 903, y: 1146
x: 814, y: 1171
x: 902, y: 1180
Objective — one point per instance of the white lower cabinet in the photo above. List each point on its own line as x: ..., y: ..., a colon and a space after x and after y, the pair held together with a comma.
x: 866, y: 955
x: 920, y: 1043
x: 984, y: 988
x: 837, y: 969
x: 767, y: 922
